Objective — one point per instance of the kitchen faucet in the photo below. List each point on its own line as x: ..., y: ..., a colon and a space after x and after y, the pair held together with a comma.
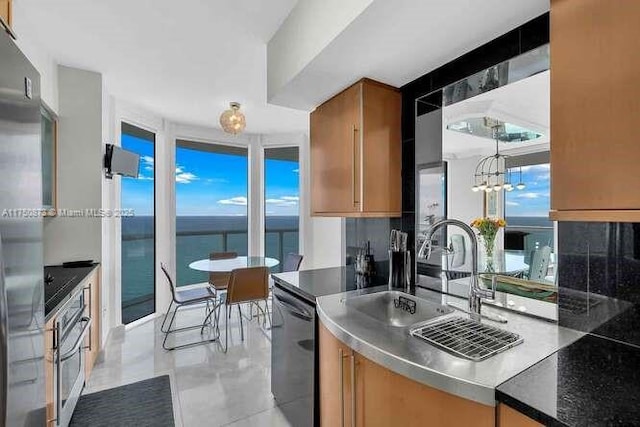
x: 476, y: 292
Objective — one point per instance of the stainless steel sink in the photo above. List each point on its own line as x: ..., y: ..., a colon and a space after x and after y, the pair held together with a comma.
x: 396, y: 308
x: 466, y: 338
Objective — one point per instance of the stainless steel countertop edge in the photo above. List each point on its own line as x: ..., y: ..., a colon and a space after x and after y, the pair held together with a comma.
x: 54, y: 311
x: 542, y: 339
x: 422, y: 374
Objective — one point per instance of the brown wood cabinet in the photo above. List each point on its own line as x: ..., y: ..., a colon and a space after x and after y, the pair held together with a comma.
x: 6, y: 12
x: 356, y: 153
x: 595, y: 107
x: 382, y: 397
x: 509, y: 417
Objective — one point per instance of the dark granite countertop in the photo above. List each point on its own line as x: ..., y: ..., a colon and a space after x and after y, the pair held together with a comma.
x: 592, y: 382
x: 309, y: 284
x: 65, y: 282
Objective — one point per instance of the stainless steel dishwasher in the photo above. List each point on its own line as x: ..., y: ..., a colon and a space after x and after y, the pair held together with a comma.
x: 293, y: 356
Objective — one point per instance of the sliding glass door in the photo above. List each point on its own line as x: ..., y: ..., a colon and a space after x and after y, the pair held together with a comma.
x: 211, y: 204
x: 282, y: 195
x: 138, y: 231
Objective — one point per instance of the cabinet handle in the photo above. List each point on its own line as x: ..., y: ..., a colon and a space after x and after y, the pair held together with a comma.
x: 353, y: 170
x: 341, y: 359
x: 88, y: 288
x: 353, y: 390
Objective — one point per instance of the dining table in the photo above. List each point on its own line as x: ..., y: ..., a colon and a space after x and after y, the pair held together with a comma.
x: 506, y: 262
x: 229, y: 264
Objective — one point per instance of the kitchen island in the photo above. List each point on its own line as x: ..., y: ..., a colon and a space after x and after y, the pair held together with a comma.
x: 392, y: 348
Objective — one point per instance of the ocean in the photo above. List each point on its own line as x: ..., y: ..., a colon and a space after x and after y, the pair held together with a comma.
x: 196, y: 237
x: 528, y: 232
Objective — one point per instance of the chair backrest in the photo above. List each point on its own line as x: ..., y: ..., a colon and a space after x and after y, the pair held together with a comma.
x: 220, y: 280
x: 163, y: 267
x: 457, y: 243
x: 223, y: 255
x: 248, y: 284
x: 292, y: 262
x: 539, y: 263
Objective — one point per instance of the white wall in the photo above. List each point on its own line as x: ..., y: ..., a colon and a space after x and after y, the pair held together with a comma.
x: 463, y: 204
x: 79, y: 168
x: 309, y: 28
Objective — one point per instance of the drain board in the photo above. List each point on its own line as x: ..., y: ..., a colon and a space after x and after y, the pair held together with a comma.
x: 466, y: 338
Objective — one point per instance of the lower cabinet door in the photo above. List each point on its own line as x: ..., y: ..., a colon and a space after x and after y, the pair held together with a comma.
x: 509, y: 417
x: 336, y: 400
x: 354, y: 391
x: 384, y: 398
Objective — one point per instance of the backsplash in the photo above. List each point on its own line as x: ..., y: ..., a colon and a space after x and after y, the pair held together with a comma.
x: 602, y: 262
x: 375, y: 230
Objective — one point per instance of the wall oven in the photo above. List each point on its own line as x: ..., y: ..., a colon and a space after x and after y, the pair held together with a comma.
x: 72, y: 326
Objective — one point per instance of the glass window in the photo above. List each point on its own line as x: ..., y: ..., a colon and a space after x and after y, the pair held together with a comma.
x: 527, y: 210
x: 211, y: 204
x: 138, y: 231
x: 282, y: 195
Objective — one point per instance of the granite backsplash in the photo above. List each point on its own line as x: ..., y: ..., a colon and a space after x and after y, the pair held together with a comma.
x: 602, y: 262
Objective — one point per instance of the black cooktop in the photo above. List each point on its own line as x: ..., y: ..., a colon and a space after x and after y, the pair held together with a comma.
x: 310, y: 284
x: 65, y: 280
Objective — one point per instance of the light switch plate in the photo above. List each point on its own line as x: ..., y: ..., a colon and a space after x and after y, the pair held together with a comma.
x: 28, y: 89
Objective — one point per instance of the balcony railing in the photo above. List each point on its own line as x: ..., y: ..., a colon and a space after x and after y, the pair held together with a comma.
x: 193, y: 245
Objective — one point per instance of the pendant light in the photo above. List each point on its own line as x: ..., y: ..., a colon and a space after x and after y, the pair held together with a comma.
x: 233, y: 120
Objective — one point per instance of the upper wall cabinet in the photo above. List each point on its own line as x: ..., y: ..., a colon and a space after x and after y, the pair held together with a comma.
x: 5, y: 11
x: 356, y: 153
x: 595, y: 110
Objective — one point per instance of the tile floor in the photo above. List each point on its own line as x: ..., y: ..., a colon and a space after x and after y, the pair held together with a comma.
x: 209, y: 387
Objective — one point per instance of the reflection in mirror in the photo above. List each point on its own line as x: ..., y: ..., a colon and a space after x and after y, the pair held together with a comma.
x: 494, y: 134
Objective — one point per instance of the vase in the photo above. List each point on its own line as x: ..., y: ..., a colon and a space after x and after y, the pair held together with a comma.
x: 489, y: 243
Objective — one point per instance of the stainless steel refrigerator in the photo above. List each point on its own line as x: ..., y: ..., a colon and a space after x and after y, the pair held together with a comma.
x: 22, y: 389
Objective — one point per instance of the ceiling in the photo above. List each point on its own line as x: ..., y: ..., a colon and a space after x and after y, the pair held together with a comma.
x: 525, y: 103
x: 186, y: 60
x: 398, y: 41
x: 183, y: 60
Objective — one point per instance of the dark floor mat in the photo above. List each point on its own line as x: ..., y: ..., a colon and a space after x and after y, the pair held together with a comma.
x: 145, y: 403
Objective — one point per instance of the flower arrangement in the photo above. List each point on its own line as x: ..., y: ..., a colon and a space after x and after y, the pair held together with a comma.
x: 487, y: 229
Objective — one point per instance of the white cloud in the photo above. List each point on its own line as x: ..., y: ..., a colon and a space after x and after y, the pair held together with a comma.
x: 512, y: 204
x: 296, y: 171
x: 529, y: 195
x: 236, y: 201
x: 145, y: 178
x: 217, y: 181
x: 183, y: 177
x: 284, y: 201
x: 147, y: 160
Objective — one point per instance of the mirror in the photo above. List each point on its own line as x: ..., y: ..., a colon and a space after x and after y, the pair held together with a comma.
x: 482, y: 156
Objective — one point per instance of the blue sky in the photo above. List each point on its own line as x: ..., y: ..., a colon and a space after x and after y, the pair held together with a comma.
x: 534, y: 199
x: 210, y: 183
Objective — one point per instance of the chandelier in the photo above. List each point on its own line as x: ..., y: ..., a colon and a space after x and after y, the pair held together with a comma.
x: 491, y: 173
x: 233, y: 120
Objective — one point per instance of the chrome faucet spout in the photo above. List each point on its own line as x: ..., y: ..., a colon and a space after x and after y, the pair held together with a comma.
x: 476, y: 292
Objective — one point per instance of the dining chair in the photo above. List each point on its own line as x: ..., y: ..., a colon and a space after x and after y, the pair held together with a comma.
x: 292, y: 262
x: 539, y: 266
x: 188, y: 297
x: 219, y: 280
x: 246, y: 285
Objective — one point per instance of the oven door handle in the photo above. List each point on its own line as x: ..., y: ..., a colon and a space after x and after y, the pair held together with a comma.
x: 76, y: 346
x: 293, y: 308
